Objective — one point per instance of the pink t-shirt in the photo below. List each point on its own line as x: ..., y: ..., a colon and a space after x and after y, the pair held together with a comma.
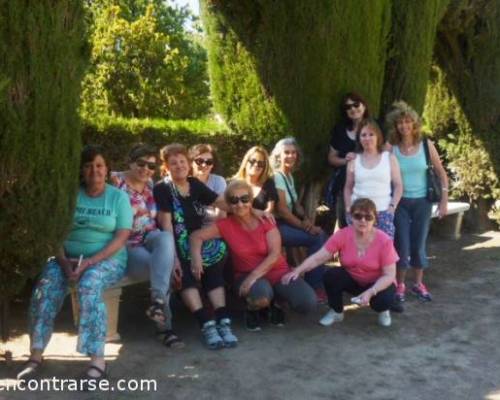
x: 249, y: 248
x: 368, y: 268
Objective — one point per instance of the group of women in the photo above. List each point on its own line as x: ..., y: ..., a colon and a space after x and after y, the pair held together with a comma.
x: 185, y: 230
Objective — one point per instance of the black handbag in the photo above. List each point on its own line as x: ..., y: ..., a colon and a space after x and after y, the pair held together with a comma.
x: 434, y: 191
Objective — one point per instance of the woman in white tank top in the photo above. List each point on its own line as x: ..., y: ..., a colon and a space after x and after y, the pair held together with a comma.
x: 375, y: 175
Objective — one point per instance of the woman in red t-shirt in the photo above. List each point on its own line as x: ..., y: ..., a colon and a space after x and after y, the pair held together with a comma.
x: 368, y: 265
x: 258, y: 265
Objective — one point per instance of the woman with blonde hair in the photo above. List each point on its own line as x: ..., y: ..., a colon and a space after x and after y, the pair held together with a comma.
x: 412, y: 218
x: 255, y: 170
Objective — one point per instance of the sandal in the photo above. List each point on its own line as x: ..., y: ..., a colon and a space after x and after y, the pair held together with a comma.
x: 30, y: 370
x: 155, y: 312
x: 89, y: 382
x: 170, y: 339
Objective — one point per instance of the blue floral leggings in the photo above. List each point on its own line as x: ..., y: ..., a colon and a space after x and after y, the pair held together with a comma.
x: 48, y: 297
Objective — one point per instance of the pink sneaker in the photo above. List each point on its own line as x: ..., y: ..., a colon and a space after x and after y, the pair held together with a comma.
x: 400, y: 292
x: 421, y: 292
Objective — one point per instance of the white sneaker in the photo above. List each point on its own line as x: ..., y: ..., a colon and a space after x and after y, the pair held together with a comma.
x: 330, y: 317
x: 384, y: 318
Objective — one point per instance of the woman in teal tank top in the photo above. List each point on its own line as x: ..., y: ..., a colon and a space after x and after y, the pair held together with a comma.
x: 413, y: 214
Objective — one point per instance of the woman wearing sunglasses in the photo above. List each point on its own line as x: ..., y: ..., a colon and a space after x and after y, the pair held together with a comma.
x: 150, y: 251
x: 256, y: 171
x: 296, y: 230
x: 368, y: 266
x: 353, y: 109
x: 374, y: 174
x: 204, y: 161
x: 258, y: 265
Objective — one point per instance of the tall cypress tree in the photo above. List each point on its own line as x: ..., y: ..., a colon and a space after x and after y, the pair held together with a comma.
x: 42, y: 52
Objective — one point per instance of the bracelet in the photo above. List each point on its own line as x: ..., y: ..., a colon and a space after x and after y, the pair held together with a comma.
x: 444, y: 189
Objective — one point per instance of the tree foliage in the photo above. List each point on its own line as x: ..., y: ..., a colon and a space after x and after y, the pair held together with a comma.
x: 42, y: 53
x: 144, y: 63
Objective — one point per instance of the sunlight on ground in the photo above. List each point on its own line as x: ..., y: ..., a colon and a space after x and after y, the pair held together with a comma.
x: 494, y: 241
x: 493, y: 395
x: 62, y: 346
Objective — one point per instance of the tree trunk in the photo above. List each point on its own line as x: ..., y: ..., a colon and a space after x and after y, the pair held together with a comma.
x: 467, y: 50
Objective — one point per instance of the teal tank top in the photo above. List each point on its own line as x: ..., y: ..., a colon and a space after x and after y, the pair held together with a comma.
x: 413, y: 172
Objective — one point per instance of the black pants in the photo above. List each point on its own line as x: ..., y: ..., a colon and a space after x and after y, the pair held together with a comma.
x: 338, y: 280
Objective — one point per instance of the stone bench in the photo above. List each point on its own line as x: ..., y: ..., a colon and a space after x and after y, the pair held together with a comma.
x: 111, y: 298
x: 450, y: 226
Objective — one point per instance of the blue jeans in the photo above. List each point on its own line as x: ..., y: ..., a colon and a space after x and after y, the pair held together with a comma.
x: 154, y: 260
x: 295, y: 237
x: 412, y: 220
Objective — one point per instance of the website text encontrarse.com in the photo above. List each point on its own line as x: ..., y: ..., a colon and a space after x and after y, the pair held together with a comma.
x: 74, y: 385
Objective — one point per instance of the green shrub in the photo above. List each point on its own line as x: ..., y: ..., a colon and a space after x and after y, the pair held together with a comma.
x: 43, y: 54
x: 118, y: 135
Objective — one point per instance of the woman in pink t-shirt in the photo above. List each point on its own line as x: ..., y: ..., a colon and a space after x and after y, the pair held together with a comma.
x: 368, y: 265
x: 258, y: 264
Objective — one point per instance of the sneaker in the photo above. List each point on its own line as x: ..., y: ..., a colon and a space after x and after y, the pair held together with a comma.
x: 321, y: 296
x: 211, y: 336
x: 421, y: 292
x: 330, y: 317
x: 252, y: 321
x: 225, y: 332
x: 277, y: 315
x: 400, y: 292
x: 384, y: 318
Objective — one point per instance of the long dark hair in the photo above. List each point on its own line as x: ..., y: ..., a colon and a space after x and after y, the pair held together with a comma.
x: 354, y: 97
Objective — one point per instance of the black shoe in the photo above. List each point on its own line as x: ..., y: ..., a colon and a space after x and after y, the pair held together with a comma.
x: 252, y: 321
x: 277, y: 316
x: 397, y: 306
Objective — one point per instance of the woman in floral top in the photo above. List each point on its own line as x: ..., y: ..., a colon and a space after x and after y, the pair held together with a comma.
x: 150, y: 251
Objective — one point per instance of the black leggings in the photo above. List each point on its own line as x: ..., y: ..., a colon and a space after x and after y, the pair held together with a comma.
x: 338, y: 280
x: 212, y: 277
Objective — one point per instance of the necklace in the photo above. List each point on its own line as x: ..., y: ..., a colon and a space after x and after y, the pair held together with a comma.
x: 362, y: 245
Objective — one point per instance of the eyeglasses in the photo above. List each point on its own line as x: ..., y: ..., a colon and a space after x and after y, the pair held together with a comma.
x: 142, y: 163
x: 359, y: 216
x: 348, y: 106
x: 260, y: 164
x: 207, y: 161
x: 245, y: 199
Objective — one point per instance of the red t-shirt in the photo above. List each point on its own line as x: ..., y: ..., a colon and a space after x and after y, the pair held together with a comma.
x: 368, y: 268
x: 249, y: 248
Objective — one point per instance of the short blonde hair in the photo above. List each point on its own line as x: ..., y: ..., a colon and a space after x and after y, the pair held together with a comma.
x: 236, y: 185
x: 242, y: 171
x: 400, y: 110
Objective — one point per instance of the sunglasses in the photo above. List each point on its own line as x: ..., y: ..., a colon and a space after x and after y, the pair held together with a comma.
x: 260, y: 164
x: 245, y: 199
x: 207, y: 161
x: 141, y: 164
x: 359, y: 216
x: 348, y: 106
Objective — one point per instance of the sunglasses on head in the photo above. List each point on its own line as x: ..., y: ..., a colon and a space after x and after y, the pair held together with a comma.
x: 260, y: 164
x: 245, y: 199
x: 207, y: 161
x: 358, y: 216
x: 142, y: 163
x: 348, y: 106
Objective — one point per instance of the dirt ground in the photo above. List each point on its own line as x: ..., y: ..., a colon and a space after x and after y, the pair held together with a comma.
x: 446, y: 349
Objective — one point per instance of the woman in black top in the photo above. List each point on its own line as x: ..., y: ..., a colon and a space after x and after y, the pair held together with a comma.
x: 256, y: 171
x: 182, y: 202
x: 342, y: 146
